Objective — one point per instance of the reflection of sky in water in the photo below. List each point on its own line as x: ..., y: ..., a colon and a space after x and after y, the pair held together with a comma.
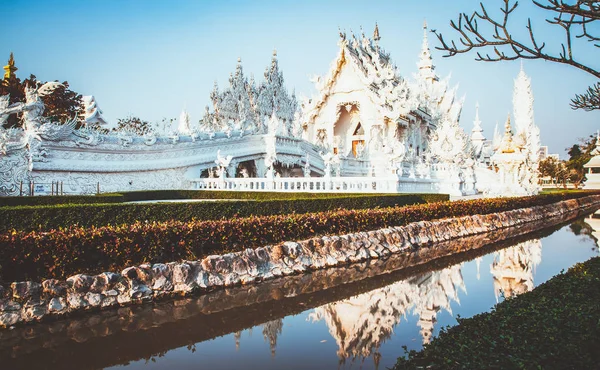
x: 321, y: 338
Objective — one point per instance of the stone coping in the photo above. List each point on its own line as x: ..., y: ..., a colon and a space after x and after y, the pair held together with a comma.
x: 29, y: 301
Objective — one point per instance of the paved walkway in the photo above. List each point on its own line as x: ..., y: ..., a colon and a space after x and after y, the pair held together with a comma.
x: 466, y: 197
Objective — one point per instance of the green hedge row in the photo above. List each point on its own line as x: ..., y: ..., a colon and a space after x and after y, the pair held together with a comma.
x: 86, y: 215
x: 60, y: 199
x: 224, y: 194
x: 60, y: 253
x: 555, y: 326
x: 142, y: 195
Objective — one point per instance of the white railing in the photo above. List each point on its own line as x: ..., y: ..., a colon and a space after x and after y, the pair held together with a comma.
x: 300, y: 184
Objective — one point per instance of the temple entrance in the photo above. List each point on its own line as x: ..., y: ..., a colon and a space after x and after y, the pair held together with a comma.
x: 357, y: 147
x: 358, y: 140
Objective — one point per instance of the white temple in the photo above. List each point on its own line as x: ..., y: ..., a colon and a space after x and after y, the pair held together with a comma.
x: 368, y: 129
x: 592, y: 167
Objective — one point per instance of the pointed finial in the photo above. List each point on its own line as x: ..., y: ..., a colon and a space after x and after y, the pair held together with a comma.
x: 274, y: 53
x: 10, y: 69
x: 239, y: 60
x: 425, y: 24
x: 376, y: 36
x: 507, y: 125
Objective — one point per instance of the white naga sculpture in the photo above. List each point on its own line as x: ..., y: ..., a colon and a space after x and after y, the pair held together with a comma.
x: 37, y: 127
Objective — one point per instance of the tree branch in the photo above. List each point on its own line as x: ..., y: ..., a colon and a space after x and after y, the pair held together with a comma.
x: 574, y: 19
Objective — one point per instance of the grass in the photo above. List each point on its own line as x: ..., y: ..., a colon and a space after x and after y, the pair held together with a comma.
x: 555, y: 326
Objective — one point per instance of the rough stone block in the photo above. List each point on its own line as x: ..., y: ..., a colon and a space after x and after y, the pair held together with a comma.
x: 24, y: 290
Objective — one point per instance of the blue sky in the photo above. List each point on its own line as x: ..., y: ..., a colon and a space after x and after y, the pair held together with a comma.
x: 153, y: 58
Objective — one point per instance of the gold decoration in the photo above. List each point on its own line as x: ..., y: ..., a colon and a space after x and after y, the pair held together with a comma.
x: 10, y: 69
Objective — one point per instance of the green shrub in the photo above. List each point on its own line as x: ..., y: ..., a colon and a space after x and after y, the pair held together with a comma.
x: 63, y: 252
x: 60, y: 199
x: 555, y: 326
x: 65, y: 215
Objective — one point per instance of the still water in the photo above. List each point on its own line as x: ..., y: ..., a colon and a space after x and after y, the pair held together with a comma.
x: 353, y: 318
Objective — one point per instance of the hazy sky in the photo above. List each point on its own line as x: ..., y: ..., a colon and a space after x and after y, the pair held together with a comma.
x: 153, y: 58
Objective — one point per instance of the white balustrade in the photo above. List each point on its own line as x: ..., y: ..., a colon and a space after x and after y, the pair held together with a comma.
x: 300, y: 184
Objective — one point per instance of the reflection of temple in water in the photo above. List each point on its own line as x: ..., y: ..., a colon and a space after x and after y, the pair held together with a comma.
x: 271, y: 331
x: 594, y: 221
x: 513, y: 268
x: 362, y: 323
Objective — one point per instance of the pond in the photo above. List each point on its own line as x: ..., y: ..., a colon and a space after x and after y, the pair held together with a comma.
x: 354, y: 317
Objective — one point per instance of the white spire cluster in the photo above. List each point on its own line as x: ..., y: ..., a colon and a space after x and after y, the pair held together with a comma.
x: 243, y: 106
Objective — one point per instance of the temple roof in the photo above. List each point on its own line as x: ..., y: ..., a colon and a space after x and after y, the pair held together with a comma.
x: 389, y: 90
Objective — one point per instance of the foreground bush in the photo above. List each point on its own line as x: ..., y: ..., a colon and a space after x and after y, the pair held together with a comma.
x: 66, y: 215
x: 555, y: 326
x: 63, y: 252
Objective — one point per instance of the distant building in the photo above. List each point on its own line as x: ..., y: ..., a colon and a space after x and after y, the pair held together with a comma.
x: 592, y: 168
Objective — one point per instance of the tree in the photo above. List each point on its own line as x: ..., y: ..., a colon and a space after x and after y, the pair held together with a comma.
x: 550, y: 167
x: 133, y: 125
x: 575, y: 18
x: 578, y: 156
x: 63, y: 104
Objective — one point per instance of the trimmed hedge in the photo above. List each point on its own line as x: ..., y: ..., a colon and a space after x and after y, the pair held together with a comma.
x: 225, y: 194
x: 143, y: 195
x: 60, y: 199
x: 86, y: 215
x: 555, y: 326
x: 60, y: 253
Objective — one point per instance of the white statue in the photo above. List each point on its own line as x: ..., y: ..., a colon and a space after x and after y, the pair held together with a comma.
x: 331, y: 160
x: 306, y: 169
x: 222, y: 164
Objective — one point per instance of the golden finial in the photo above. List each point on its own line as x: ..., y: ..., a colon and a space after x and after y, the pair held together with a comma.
x: 508, y: 146
x: 9, y: 69
x: 376, y: 36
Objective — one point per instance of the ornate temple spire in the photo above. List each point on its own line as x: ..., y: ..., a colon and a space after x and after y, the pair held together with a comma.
x: 426, y: 67
x: 10, y: 69
x: 274, y: 65
x: 376, y: 36
x: 183, y: 126
x: 238, y: 68
x: 477, y: 132
x: 508, y: 145
x: 523, y: 103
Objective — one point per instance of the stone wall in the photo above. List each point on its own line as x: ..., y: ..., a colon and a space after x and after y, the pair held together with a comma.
x: 24, y: 302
